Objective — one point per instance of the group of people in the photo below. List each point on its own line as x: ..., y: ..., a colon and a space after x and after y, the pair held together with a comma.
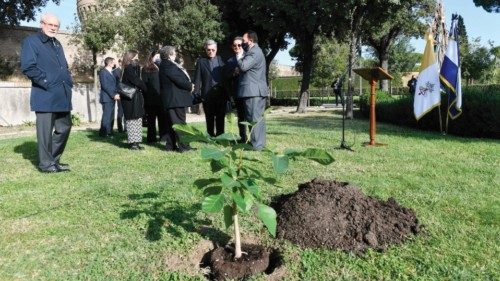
x: 164, y: 91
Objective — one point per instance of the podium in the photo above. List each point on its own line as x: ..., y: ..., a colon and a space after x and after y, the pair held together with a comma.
x: 373, y: 75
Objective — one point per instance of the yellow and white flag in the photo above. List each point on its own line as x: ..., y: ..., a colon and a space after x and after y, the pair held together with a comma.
x: 427, y: 92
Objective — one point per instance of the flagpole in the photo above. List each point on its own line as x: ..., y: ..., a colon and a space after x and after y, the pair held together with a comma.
x: 447, y: 115
x: 440, y: 120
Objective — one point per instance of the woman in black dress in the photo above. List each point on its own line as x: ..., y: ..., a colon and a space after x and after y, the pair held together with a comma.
x: 152, y: 100
x: 133, y: 109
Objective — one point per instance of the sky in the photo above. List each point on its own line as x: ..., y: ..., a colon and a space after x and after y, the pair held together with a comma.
x: 478, y: 23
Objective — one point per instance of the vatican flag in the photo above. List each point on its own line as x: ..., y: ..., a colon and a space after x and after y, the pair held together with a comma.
x: 427, y: 92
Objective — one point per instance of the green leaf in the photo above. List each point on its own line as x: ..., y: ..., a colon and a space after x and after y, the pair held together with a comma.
x: 228, y: 216
x: 188, y: 133
x: 201, y: 183
x: 228, y: 181
x: 251, y: 186
x: 280, y: 163
x: 227, y: 137
x: 244, y: 146
x: 319, y: 155
x: 213, y: 203
x: 243, y: 199
x: 208, y: 153
x: 268, y: 216
x: 212, y: 190
x: 218, y: 165
x: 292, y: 152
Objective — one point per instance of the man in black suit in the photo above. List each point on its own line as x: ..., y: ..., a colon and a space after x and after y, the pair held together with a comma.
x: 117, y: 72
x: 233, y: 72
x: 208, y: 80
x: 44, y: 63
x: 107, y: 97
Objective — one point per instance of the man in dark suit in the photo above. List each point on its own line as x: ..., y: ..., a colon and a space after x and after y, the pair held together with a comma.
x: 208, y: 80
x: 233, y: 72
x: 337, y: 90
x: 120, y: 122
x: 108, y: 96
x: 252, y: 88
x: 44, y: 63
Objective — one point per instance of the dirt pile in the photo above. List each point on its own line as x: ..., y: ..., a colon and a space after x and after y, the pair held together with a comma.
x: 336, y: 215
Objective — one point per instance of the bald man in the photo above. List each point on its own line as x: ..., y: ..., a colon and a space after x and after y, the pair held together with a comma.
x: 44, y: 63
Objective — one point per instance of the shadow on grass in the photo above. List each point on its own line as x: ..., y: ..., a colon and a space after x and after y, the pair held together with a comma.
x: 118, y: 139
x: 29, y: 151
x: 170, y: 216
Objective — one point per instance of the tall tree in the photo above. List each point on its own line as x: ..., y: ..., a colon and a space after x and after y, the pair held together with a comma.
x: 409, y: 17
x: 491, y: 6
x: 185, y: 24
x: 480, y: 62
x: 12, y: 12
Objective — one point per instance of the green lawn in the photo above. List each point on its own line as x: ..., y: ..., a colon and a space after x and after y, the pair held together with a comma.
x: 126, y: 215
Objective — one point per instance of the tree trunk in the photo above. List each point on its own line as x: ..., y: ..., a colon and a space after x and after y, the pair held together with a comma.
x: 307, y: 44
x: 96, y: 79
x: 384, y: 63
x: 237, y: 235
x: 353, y: 42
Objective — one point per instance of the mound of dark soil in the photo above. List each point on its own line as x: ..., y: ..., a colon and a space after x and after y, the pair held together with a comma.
x: 336, y: 215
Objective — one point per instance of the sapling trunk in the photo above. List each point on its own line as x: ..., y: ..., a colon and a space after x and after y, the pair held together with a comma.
x: 237, y: 236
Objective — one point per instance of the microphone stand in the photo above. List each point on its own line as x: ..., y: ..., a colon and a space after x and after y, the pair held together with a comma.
x: 343, y: 144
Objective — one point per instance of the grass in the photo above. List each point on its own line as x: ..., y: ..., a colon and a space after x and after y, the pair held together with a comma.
x: 123, y: 215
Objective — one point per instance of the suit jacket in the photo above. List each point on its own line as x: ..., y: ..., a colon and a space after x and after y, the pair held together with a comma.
x: 231, y: 64
x: 175, y: 86
x: 108, y: 86
x: 44, y: 63
x: 252, y: 81
x: 152, y: 95
x: 204, y: 77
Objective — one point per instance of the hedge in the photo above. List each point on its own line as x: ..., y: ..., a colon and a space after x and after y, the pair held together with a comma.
x: 480, y: 112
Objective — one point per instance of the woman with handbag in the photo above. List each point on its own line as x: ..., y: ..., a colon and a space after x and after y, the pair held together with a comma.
x: 133, y: 105
x: 175, y: 88
x: 152, y: 101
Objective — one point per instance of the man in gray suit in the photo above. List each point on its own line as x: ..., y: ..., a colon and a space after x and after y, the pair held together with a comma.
x: 252, y: 88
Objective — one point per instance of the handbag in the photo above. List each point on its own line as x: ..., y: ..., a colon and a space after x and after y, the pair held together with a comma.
x: 126, y: 91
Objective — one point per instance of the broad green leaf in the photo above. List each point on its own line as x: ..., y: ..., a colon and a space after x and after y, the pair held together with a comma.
x: 292, y: 152
x: 189, y: 133
x: 213, y: 203
x: 228, y: 181
x: 201, y: 183
x: 212, y: 190
x: 268, y: 216
x: 228, y: 216
x: 227, y: 137
x: 218, y: 165
x: 319, y: 155
x: 243, y: 199
x: 244, y: 146
x: 208, y: 153
x: 280, y: 163
x: 251, y: 186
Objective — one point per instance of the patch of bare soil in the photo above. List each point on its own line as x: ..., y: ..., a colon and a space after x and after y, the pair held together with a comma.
x: 337, y: 215
x: 189, y: 262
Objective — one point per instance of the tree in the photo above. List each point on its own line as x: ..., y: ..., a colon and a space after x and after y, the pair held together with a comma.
x: 404, y: 19
x: 12, y: 12
x: 480, y: 62
x: 491, y: 6
x: 184, y: 24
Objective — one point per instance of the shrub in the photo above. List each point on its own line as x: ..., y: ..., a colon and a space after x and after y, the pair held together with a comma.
x: 479, y: 118
x: 75, y: 119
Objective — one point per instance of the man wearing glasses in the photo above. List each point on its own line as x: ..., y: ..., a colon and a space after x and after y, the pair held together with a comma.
x: 208, y: 80
x: 44, y: 63
x: 233, y: 72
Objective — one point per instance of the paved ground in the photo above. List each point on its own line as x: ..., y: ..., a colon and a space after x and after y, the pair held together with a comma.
x: 22, y: 130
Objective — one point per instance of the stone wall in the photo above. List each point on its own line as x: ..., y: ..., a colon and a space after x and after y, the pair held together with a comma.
x: 15, y: 104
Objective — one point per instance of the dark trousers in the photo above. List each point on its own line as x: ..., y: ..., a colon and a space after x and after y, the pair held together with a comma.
x: 215, y: 112
x: 108, y: 111
x: 338, y: 94
x: 52, y: 133
x: 175, y: 116
x: 154, y: 113
x: 254, y: 112
x: 240, y: 113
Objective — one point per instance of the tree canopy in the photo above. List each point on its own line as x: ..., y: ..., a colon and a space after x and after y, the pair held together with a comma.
x: 491, y: 6
x: 12, y: 12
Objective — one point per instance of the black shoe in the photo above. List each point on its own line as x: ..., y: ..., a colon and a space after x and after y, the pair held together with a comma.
x: 63, y: 167
x: 185, y: 149
x: 51, y: 169
x: 134, y: 146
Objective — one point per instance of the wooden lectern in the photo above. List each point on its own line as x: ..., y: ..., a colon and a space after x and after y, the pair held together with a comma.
x: 373, y: 75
